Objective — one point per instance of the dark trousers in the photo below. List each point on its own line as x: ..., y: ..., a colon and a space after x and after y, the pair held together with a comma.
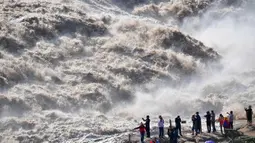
x: 161, y: 132
x: 221, y: 129
x: 148, y: 134
x: 142, y: 137
x: 249, y: 119
x: 178, y: 127
x: 193, y: 129
x: 198, y: 129
x: 231, y: 125
x: 249, y: 122
x: 208, y: 124
x: 173, y: 141
x: 213, y: 126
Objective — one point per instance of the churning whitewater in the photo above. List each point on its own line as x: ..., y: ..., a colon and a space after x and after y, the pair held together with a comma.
x: 88, y: 70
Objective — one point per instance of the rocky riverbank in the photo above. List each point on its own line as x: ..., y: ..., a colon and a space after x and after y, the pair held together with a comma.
x: 247, y: 134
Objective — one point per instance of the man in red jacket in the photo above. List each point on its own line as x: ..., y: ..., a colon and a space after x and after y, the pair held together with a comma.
x: 142, y: 131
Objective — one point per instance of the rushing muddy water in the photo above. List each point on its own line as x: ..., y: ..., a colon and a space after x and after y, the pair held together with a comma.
x: 88, y: 70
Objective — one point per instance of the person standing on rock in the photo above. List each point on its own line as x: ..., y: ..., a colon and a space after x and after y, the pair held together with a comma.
x: 221, y: 120
x: 208, y: 121
x: 142, y: 131
x: 231, y: 119
x: 213, y: 121
x: 178, y: 124
x: 249, y: 113
x: 161, y: 127
x: 193, y: 119
x: 147, y: 125
x: 198, y: 123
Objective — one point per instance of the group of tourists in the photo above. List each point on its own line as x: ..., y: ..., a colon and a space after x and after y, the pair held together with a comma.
x: 172, y: 132
x: 225, y: 122
x: 175, y: 132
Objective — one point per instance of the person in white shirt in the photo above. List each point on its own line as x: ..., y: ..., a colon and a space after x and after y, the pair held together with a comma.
x: 231, y: 119
x: 161, y: 127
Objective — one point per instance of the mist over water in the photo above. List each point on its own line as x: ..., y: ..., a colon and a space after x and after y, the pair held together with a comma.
x: 230, y: 33
x: 88, y: 70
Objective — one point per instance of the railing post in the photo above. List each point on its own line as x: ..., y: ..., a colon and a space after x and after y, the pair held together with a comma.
x: 129, y: 138
x: 170, y: 121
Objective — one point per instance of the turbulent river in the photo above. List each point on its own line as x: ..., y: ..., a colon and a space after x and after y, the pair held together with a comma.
x: 89, y: 70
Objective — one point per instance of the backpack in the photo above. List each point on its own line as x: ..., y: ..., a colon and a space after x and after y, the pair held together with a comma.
x: 225, y: 124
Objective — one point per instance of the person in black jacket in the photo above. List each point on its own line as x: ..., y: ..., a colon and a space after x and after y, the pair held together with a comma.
x: 178, y: 124
x: 193, y: 119
x: 208, y: 121
x: 198, y: 123
x: 213, y: 121
x: 147, y: 125
x: 249, y: 115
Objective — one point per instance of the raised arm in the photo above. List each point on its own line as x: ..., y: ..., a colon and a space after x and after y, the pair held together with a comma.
x: 136, y: 128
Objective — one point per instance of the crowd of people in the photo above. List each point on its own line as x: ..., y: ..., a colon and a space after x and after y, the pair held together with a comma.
x: 175, y: 132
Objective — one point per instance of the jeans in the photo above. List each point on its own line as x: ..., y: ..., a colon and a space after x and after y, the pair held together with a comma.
x: 148, y: 132
x: 173, y: 141
x: 231, y: 125
x: 142, y: 137
x: 198, y: 129
x: 221, y: 129
x: 161, y: 132
x: 179, y: 128
x: 208, y: 123
x: 213, y: 126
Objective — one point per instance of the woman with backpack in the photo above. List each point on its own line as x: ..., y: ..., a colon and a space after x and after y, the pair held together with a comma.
x: 226, y: 124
